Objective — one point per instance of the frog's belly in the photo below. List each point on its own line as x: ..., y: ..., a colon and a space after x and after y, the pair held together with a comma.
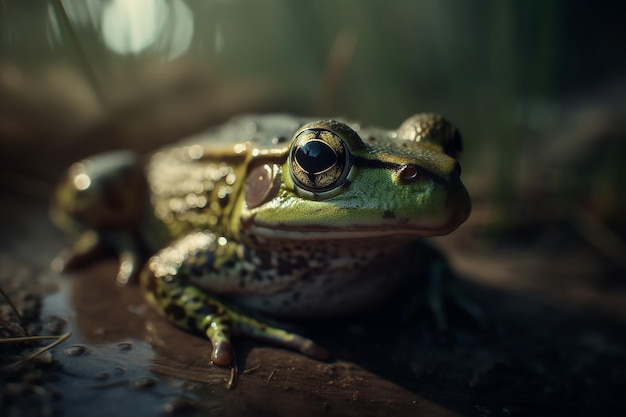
x: 327, y: 294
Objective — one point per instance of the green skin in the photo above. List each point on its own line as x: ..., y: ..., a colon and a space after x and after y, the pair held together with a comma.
x: 273, y: 214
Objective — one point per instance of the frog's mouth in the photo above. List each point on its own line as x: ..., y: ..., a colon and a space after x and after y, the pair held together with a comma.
x: 359, y: 224
x: 344, y: 234
x: 402, y: 231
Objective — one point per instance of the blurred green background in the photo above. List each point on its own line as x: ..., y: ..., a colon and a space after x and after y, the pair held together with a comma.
x: 538, y: 88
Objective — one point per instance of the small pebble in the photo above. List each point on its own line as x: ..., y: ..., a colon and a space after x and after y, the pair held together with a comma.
x: 144, y: 383
x: 76, y: 350
x: 125, y: 346
x: 179, y: 405
x: 102, y: 376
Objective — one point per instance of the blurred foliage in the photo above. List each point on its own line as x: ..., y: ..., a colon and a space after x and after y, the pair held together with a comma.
x: 536, y: 87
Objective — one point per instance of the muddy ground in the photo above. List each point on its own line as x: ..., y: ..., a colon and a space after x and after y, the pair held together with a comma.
x: 555, y: 343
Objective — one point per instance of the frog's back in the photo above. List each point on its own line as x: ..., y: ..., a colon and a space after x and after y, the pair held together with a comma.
x: 194, y: 183
x: 263, y: 131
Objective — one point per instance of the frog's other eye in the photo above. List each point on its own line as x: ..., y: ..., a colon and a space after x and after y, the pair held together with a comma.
x: 318, y: 160
x: 433, y: 129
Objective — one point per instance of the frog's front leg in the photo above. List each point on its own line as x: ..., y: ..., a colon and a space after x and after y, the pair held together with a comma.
x: 442, y: 286
x: 167, y: 283
x: 435, y: 287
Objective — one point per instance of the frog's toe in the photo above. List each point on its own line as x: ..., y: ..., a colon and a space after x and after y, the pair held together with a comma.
x: 220, y: 327
x: 310, y: 348
x: 222, y: 354
x: 217, y: 325
x: 129, y: 269
x: 250, y: 327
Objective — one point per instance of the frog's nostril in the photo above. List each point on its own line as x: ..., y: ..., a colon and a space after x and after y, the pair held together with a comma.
x: 408, y: 173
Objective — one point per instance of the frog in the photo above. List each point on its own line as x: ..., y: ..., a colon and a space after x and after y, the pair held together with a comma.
x: 268, y: 216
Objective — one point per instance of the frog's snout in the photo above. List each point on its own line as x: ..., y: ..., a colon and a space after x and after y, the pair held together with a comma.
x: 438, y: 199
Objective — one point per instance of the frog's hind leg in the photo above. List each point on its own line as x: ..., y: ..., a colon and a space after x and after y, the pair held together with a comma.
x: 103, y: 203
x: 437, y: 288
x: 167, y: 289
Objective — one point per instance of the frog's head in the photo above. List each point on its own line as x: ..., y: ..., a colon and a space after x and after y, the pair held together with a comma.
x: 337, y: 184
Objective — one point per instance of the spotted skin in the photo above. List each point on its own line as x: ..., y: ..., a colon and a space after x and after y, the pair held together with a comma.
x: 246, y: 219
x: 167, y: 280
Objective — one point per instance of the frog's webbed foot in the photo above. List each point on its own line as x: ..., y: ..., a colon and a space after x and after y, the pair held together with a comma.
x: 443, y: 287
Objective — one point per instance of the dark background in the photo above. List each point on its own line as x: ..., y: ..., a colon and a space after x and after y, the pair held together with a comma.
x: 538, y: 90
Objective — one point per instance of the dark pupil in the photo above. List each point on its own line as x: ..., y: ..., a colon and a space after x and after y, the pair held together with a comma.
x: 315, y: 156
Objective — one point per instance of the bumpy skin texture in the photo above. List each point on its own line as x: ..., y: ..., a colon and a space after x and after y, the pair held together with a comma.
x: 276, y: 214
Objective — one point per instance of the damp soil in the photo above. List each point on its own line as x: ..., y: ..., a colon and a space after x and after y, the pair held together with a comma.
x: 554, y: 343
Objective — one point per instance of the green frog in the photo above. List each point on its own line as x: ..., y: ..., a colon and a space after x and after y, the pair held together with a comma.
x: 275, y: 214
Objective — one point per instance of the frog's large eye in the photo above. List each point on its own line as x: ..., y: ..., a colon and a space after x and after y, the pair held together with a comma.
x: 319, y: 160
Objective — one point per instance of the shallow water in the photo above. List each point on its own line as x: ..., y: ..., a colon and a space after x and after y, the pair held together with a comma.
x: 106, y: 362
